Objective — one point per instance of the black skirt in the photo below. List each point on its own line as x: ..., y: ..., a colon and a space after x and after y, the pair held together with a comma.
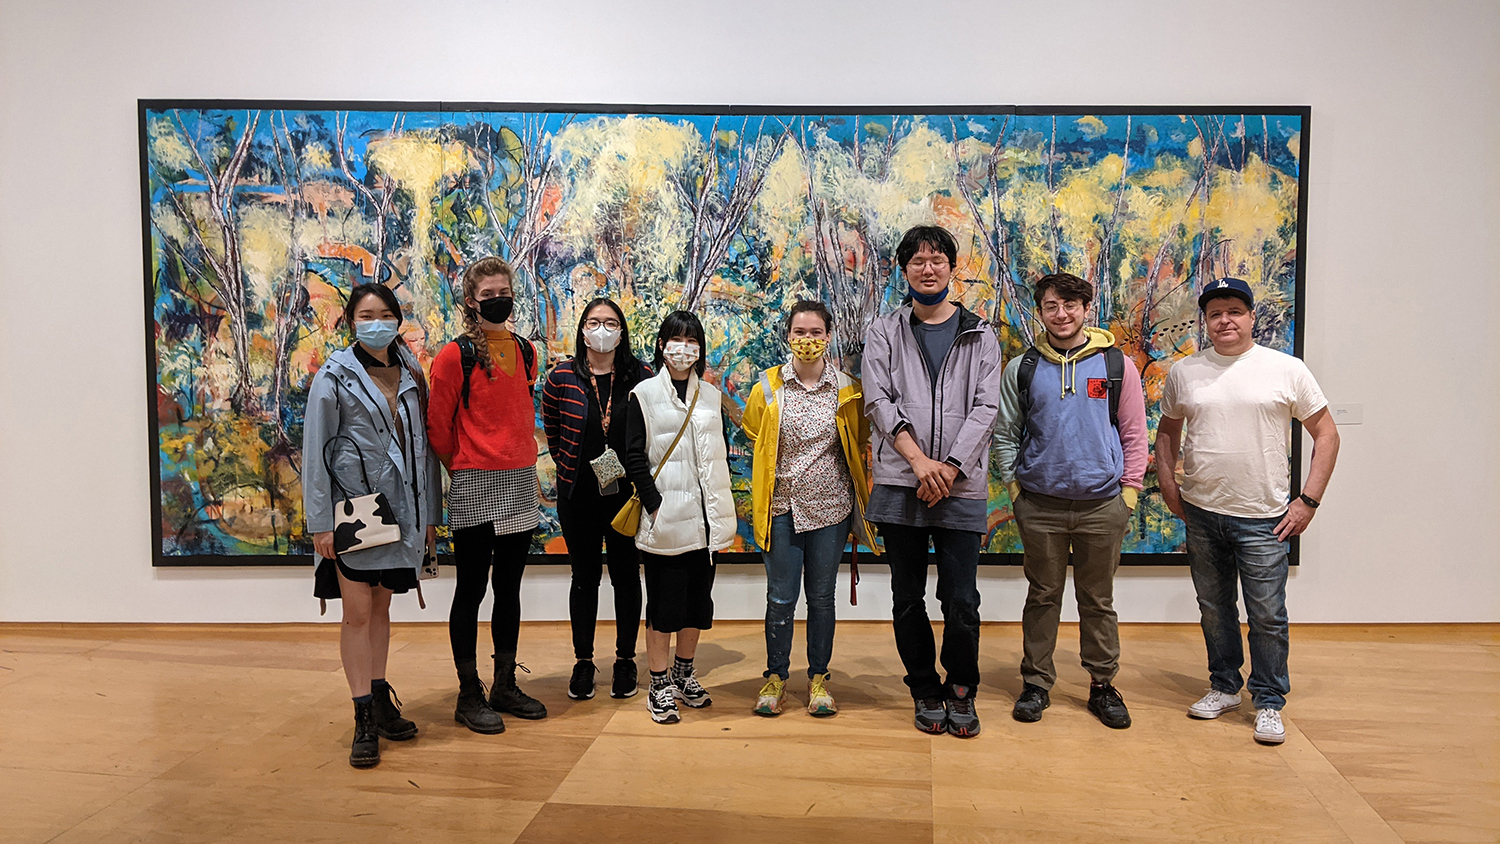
x: 326, y: 579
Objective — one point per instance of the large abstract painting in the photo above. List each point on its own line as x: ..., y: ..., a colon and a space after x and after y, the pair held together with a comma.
x: 260, y: 216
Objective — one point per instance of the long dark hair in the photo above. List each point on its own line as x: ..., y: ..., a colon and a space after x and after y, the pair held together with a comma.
x: 627, y: 365
x: 681, y: 324
x: 388, y: 298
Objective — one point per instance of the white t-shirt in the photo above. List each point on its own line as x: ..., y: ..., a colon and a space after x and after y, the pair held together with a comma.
x: 1238, y: 415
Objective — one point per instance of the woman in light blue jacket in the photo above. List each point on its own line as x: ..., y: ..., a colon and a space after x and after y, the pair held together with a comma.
x: 365, y: 432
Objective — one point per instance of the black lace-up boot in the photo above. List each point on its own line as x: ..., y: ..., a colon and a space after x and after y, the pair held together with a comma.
x: 387, y: 712
x: 365, y: 752
x: 472, y: 710
x: 506, y: 696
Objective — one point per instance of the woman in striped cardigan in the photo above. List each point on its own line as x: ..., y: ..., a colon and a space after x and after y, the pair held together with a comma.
x: 583, y: 413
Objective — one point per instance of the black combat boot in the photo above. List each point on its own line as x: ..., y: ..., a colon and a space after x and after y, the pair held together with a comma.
x: 365, y: 752
x: 388, y: 721
x: 472, y: 710
x: 505, y: 696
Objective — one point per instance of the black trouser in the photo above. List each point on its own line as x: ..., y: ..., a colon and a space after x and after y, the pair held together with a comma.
x: 957, y: 561
x: 480, y: 555
x: 585, y: 519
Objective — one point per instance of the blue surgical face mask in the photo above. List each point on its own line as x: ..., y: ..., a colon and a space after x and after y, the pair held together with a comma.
x: 928, y: 298
x: 375, y: 333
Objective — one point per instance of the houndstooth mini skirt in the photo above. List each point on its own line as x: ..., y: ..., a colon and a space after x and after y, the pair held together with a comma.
x: 507, y: 497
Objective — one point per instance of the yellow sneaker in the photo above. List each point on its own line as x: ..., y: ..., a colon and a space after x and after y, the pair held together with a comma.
x: 771, y: 695
x: 819, y: 702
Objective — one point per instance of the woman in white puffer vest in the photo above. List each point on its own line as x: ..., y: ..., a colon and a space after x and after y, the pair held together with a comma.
x: 687, y: 508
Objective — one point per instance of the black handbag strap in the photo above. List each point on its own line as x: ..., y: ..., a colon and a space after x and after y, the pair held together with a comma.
x: 363, y: 475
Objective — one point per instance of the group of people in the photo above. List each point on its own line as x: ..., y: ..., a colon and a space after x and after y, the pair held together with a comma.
x: 630, y: 437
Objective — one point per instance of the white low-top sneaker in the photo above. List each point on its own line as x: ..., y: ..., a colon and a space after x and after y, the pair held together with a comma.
x: 1214, y: 704
x: 1268, y: 728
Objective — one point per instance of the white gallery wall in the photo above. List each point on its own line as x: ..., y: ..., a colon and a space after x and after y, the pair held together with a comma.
x: 1401, y: 256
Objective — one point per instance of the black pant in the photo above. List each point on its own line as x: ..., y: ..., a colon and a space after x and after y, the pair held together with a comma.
x: 957, y: 560
x: 585, y: 519
x: 480, y: 555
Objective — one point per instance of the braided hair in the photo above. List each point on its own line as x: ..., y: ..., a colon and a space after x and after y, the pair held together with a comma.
x: 476, y: 273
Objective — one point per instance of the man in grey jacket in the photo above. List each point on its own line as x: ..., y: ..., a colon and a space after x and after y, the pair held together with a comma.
x: 932, y: 384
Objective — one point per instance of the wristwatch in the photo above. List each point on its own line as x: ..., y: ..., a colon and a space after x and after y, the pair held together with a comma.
x: 1309, y: 500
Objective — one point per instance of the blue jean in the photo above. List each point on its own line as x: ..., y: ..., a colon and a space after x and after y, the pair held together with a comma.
x: 1222, y: 550
x: 812, y: 555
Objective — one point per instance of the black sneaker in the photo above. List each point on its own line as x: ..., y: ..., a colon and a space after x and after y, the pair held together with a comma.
x: 661, y: 702
x: 1030, y: 704
x: 963, y: 721
x: 581, y: 686
x: 1105, y: 702
x: 932, y: 715
x: 624, y: 684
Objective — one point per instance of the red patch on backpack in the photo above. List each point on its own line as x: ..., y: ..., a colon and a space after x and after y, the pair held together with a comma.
x: 1098, y: 388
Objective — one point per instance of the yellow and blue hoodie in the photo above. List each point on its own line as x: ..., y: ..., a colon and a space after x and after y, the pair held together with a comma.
x: 1066, y: 446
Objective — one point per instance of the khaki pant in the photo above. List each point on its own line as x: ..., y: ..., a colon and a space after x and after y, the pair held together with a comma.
x: 1093, y: 530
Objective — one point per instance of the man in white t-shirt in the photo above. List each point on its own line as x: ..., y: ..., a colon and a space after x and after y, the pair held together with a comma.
x: 1237, y: 401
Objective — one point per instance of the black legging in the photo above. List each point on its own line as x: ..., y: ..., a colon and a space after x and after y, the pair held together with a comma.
x: 585, y: 522
x: 480, y: 555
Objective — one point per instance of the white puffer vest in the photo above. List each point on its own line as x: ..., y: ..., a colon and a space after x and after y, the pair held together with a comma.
x: 694, y: 483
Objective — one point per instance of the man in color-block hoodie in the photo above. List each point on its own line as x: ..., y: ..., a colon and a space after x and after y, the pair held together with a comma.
x: 1074, y: 475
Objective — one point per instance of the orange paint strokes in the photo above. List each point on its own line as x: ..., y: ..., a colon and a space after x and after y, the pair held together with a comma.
x: 351, y: 253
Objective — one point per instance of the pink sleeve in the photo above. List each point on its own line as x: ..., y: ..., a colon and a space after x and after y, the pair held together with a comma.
x: 1132, y: 417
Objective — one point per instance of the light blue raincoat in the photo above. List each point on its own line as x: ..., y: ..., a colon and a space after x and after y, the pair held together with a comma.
x: 345, y: 401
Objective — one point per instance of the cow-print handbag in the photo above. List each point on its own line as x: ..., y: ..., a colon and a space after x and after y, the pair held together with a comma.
x: 360, y: 521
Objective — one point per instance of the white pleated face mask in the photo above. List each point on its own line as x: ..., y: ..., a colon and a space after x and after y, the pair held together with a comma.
x: 601, y: 339
x: 680, y: 355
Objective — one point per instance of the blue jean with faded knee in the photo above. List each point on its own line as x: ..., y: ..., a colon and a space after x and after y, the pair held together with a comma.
x: 813, y: 556
x: 1229, y: 551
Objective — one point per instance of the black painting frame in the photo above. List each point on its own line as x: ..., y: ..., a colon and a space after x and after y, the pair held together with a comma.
x: 161, y: 560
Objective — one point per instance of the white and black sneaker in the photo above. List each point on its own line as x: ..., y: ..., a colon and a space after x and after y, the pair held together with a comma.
x: 691, y: 692
x: 661, y: 701
x: 1214, y: 704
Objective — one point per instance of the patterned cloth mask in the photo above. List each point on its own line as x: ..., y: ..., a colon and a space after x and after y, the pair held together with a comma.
x: 679, y: 355
x: 808, y: 349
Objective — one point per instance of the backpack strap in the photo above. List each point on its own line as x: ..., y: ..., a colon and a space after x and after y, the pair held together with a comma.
x: 469, y: 359
x: 1023, y: 383
x: 528, y: 356
x: 1114, y: 370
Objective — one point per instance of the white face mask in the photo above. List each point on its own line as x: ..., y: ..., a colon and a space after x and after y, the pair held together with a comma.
x: 680, y: 355
x: 601, y: 339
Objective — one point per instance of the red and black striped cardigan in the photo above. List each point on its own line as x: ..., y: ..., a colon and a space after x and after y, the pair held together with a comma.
x: 565, y: 414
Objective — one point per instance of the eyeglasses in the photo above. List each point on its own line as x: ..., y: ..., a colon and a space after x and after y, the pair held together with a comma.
x: 611, y: 324
x: 936, y: 263
x: 1072, y: 306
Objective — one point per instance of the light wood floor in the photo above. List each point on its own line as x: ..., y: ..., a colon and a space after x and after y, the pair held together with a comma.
x: 240, y: 733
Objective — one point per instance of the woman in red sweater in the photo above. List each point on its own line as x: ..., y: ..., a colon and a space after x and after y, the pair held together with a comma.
x: 484, y: 431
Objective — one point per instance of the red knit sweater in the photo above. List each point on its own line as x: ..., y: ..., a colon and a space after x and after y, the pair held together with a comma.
x: 498, y: 428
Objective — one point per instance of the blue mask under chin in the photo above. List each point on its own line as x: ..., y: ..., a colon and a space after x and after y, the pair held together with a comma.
x: 928, y: 298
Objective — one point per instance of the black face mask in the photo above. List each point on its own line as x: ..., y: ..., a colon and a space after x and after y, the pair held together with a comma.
x: 496, y: 310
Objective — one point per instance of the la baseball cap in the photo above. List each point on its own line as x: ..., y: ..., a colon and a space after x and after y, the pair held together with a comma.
x: 1226, y: 287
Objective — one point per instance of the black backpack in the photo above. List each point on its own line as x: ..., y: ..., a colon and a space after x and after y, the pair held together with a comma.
x: 470, y: 359
x: 1114, y: 370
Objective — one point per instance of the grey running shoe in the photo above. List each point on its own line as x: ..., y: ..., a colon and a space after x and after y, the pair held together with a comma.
x: 963, y: 721
x: 932, y: 715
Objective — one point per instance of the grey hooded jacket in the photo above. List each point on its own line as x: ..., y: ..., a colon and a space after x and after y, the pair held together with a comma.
x: 951, y: 419
x: 343, y: 400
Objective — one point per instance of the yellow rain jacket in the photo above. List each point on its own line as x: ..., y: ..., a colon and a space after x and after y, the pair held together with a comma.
x: 762, y: 423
